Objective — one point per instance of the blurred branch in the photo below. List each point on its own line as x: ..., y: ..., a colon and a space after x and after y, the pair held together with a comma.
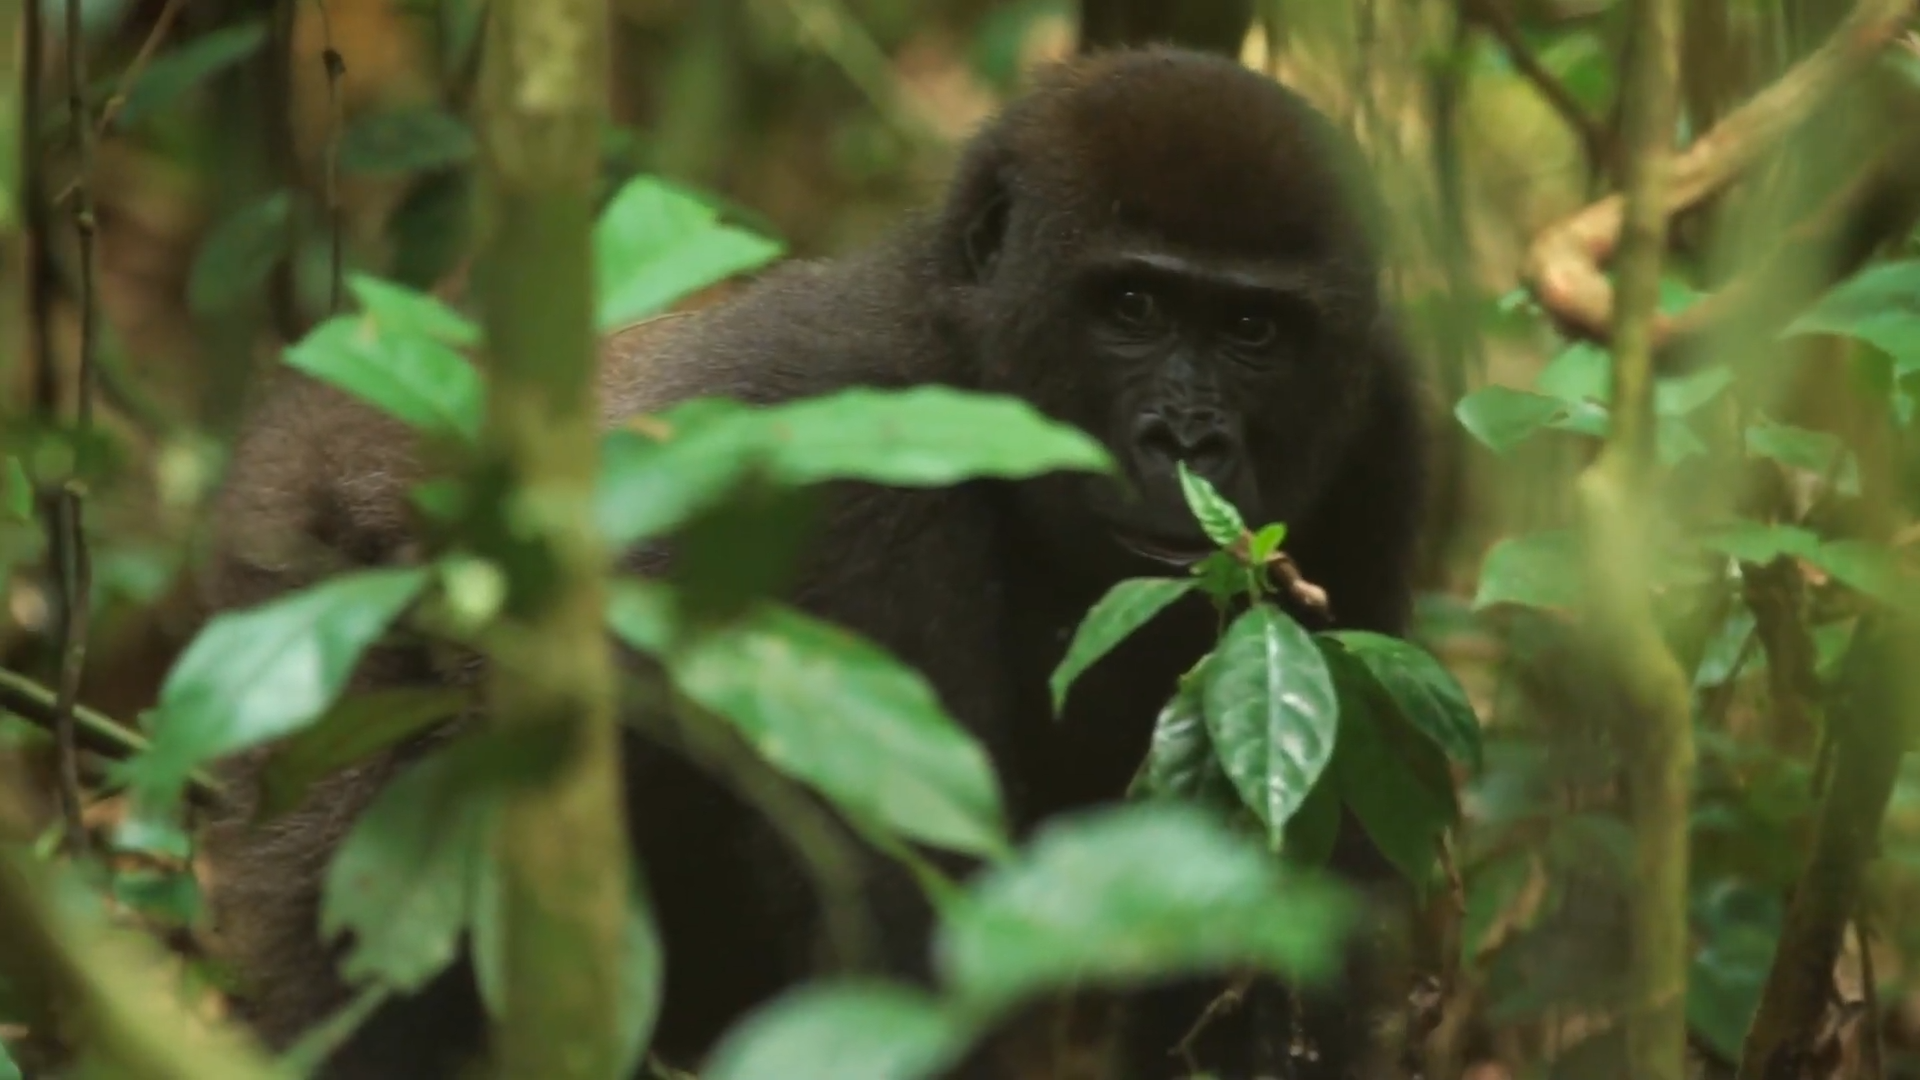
x: 1494, y: 17
x: 1563, y: 266
x: 97, y: 732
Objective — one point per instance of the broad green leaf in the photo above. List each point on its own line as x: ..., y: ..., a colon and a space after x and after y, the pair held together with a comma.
x: 1218, y: 518
x: 1422, y: 689
x: 1181, y: 762
x: 8, y: 1069
x: 1879, y: 305
x: 1223, y: 577
x: 1741, y: 926
x: 177, y: 71
x: 355, y: 728
x: 1873, y: 569
x: 1680, y: 395
x: 398, y: 309
x: 239, y: 255
x: 1502, y: 417
x: 404, y: 140
x: 411, y: 376
x: 405, y: 880
x: 1313, y: 829
x: 1126, y: 607
x: 1537, y: 570
x: 1818, y: 452
x: 255, y: 675
x: 648, y: 486
x: 1141, y: 892
x: 641, y: 613
x: 1266, y: 540
x: 837, y: 1030
x: 1271, y: 711
x: 1751, y: 541
x: 843, y: 715
x: 1371, y: 770
x: 1581, y: 372
x: 16, y: 491
x: 655, y: 244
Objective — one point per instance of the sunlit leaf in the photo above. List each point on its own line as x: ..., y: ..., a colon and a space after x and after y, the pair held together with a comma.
x: 835, y: 1030
x: 395, y: 141
x: 841, y: 714
x: 239, y: 254
x: 1502, y: 417
x: 1581, y: 372
x: 356, y: 727
x: 1126, y: 607
x: 179, y: 70
x: 431, y: 228
x: 1218, y: 518
x: 254, y: 675
x: 1422, y: 689
x: 401, y: 310
x: 1271, y: 711
x: 410, y: 375
x: 655, y: 244
x: 1537, y: 570
x: 1143, y: 891
x: 642, y: 613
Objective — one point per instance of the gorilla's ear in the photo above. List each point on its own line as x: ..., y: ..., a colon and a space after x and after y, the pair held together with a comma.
x: 973, y: 223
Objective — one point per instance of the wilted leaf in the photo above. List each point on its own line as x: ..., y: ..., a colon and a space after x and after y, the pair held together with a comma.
x: 258, y: 674
x: 837, y: 1030
x: 404, y: 140
x: 1502, y: 417
x: 841, y: 714
x: 1424, y: 691
x: 1144, y: 891
x: 1271, y: 711
x: 1537, y: 570
x: 239, y: 254
x: 175, y: 72
x: 356, y: 727
x: 1126, y: 607
x: 655, y: 244
x: 1218, y: 518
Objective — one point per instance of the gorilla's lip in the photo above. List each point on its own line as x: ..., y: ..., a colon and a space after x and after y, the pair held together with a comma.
x: 1173, y: 552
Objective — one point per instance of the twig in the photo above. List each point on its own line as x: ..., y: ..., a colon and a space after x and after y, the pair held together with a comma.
x: 336, y: 68
x: 93, y: 730
x: 118, y: 99
x: 1494, y: 17
x: 1563, y: 266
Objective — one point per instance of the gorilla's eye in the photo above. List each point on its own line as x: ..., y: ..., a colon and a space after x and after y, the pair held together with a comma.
x: 1252, y: 331
x: 1135, y: 307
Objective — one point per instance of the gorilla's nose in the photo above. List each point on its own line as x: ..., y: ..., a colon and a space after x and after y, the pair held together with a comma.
x: 1199, y: 439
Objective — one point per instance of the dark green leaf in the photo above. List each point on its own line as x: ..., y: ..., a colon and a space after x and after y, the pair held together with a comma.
x: 1538, y: 570
x: 1314, y: 828
x: 1741, y: 925
x: 1271, y: 711
x: 843, y: 715
x: 431, y: 227
x: 169, y: 898
x: 1502, y: 417
x: 411, y: 376
x: 1879, y: 305
x: 1181, y: 762
x: 1751, y: 541
x: 404, y: 140
x: 178, y: 71
x: 1818, y: 452
x: 355, y: 728
x: 238, y: 256
x: 1375, y: 775
x: 1126, y: 607
x: 833, y: 1031
x: 1218, y: 518
x: 16, y: 491
x: 1141, y: 892
x: 1424, y: 691
x: 255, y: 675
x: 1873, y: 569
x: 655, y: 244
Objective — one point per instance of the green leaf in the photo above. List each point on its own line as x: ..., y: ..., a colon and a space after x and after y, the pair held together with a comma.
x: 655, y: 244
x: 1873, y: 569
x: 431, y: 227
x: 1218, y: 518
x: 411, y: 139
x: 16, y: 491
x: 1581, y: 372
x: 238, y: 256
x: 408, y: 375
x: 401, y: 310
x: 1818, y: 452
x: 8, y: 1070
x: 1271, y: 711
x: 1680, y: 395
x: 405, y: 880
x: 649, y: 486
x: 1537, y: 570
x: 1140, y: 892
x: 255, y: 675
x: 1181, y: 762
x: 176, y: 72
x: 641, y: 613
x: 1880, y: 305
x: 843, y: 715
x: 836, y: 1030
x: 1751, y: 541
x: 355, y: 728
x: 1313, y: 829
x: 1741, y: 926
x: 1502, y: 418
x: 1126, y: 607
x: 1423, y: 691
x: 1266, y: 540
x: 1373, y: 772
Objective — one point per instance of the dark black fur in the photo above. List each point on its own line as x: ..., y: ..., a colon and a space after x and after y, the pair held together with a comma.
x: 1194, y: 161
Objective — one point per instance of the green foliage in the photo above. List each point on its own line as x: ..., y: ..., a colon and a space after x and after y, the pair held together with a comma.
x: 1271, y: 712
x: 255, y: 675
x: 656, y: 244
x: 237, y: 257
x: 1818, y: 452
x: 1880, y: 305
x: 1217, y: 517
x: 8, y: 1069
x: 356, y: 727
x: 177, y: 72
x: 1538, y: 570
x: 1181, y: 760
x: 1420, y: 689
x: 393, y: 142
x: 831, y: 1031
x: 1125, y: 608
x: 1396, y: 783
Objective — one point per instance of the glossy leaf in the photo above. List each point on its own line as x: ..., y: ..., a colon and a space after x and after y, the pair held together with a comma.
x: 1181, y: 761
x: 410, y: 375
x: 1126, y: 607
x: 843, y: 715
x: 1218, y: 518
x: 836, y: 1030
x: 239, y: 254
x: 396, y: 141
x: 1502, y: 417
x: 1536, y: 570
x: 356, y: 727
x: 1141, y: 892
x: 1271, y: 711
x: 1422, y: 689
x: 177, y: 71
x: 254, y: 675
x: 655, y: 244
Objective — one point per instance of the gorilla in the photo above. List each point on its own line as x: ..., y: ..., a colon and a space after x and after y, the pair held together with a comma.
x: 1169, y: 251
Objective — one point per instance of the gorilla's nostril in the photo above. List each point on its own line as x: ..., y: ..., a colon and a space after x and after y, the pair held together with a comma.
x: 1159, y: 441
